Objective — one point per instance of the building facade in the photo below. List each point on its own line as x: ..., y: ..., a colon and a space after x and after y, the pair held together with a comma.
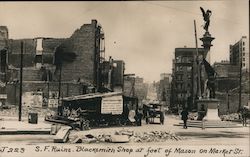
x: 227, y: 87
x: 118, y: 75
x: 184, y: 78
x: 239, y: 53
x: 4, y: 36
x: 164, y: 88
x: 135, y: 87
x: 227, y: 76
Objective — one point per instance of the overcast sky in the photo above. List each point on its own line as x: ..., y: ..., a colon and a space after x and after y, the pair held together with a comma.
x: 142, y: 33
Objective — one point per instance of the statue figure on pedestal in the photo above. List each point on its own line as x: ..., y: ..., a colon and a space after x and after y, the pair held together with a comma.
x: 208, y: 79
x: 206, y: 17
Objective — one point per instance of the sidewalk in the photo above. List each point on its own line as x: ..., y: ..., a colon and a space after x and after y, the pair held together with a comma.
x: 11, y: 125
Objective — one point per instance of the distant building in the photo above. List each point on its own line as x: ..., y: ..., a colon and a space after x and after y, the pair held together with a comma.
x: 227, y: 76
x: 184, y: 75
x: 135, y: 87
x: 227, y: 87
x: 166, y: 75
x: 239, y: 52
x: 4, y: 36
x: 164, y: 88
x: 118, y: 75
x: 113, y: 75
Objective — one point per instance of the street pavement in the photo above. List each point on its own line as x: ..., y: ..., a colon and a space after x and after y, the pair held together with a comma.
x: 194, y: 136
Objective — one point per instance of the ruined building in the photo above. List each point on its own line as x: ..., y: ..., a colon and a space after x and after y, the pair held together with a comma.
x: 54, y: 67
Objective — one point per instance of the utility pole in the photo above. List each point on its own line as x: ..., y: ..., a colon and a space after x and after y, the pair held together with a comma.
x: 197, y: 62
x: 59, y: 87
x: 21, y: 84
x: 228, y: 106
x: 132, y: 92
x: 240, y: 82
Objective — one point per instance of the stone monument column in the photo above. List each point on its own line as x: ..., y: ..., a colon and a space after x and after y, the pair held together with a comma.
x: 207, y: 102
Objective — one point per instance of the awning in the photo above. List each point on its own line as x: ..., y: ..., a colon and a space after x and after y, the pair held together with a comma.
x: 91, y: 96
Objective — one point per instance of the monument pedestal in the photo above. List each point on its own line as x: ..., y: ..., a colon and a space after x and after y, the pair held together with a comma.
x: 208, y: 116
x: 210, y: 111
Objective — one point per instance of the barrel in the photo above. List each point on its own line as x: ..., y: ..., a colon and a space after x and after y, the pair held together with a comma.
x: 33, y: 117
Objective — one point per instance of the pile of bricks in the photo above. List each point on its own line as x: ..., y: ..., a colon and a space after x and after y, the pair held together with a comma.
x: 126, y: 136
x: 230, y: 117
x: 155, y: 136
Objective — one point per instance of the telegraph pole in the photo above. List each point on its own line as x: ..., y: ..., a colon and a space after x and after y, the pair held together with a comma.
x: 197, y: 60
x: 60, y: 84
x: 21, y: 84
x: 240, y: 82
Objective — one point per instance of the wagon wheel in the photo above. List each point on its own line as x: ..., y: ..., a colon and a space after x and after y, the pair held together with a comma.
x: 147, y: 118
x: 84, y: 123
x: 118, y: 121
x: 162, y: 118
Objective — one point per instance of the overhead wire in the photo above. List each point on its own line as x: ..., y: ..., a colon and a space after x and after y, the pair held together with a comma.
x: 182, y: 10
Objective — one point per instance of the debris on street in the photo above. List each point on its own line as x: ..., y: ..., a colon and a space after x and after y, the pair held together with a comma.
x: 230, y: 117
x: 54, y: 129
x: 62, y: 135
x: 124, y: 136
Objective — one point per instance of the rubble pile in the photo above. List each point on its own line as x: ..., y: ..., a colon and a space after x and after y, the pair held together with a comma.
x: 230, y: 117
x: 193, y: 115
x: 123, y: 136
x: 155, y: 136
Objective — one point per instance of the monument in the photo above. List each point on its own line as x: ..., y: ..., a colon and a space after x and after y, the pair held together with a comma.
x: 207, y: 104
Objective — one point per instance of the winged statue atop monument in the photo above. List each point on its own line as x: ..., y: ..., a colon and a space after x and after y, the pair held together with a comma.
x: 206, y: 17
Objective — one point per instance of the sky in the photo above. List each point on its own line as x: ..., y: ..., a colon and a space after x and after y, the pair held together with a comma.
x: 142, y: 33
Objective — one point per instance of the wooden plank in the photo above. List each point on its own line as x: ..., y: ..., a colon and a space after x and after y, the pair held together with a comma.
x: 62, y: 135
x: 92, y: 95
x: 119, y: 138
x: 77, y: 140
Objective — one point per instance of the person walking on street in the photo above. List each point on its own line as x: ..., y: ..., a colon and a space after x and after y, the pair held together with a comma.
x: 184, y: 117
x: 244, y: 116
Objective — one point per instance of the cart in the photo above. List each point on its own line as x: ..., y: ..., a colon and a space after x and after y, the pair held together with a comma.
x: 153, y: 111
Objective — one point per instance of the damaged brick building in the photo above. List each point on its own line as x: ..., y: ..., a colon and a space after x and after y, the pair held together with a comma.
x: 54, y: 67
